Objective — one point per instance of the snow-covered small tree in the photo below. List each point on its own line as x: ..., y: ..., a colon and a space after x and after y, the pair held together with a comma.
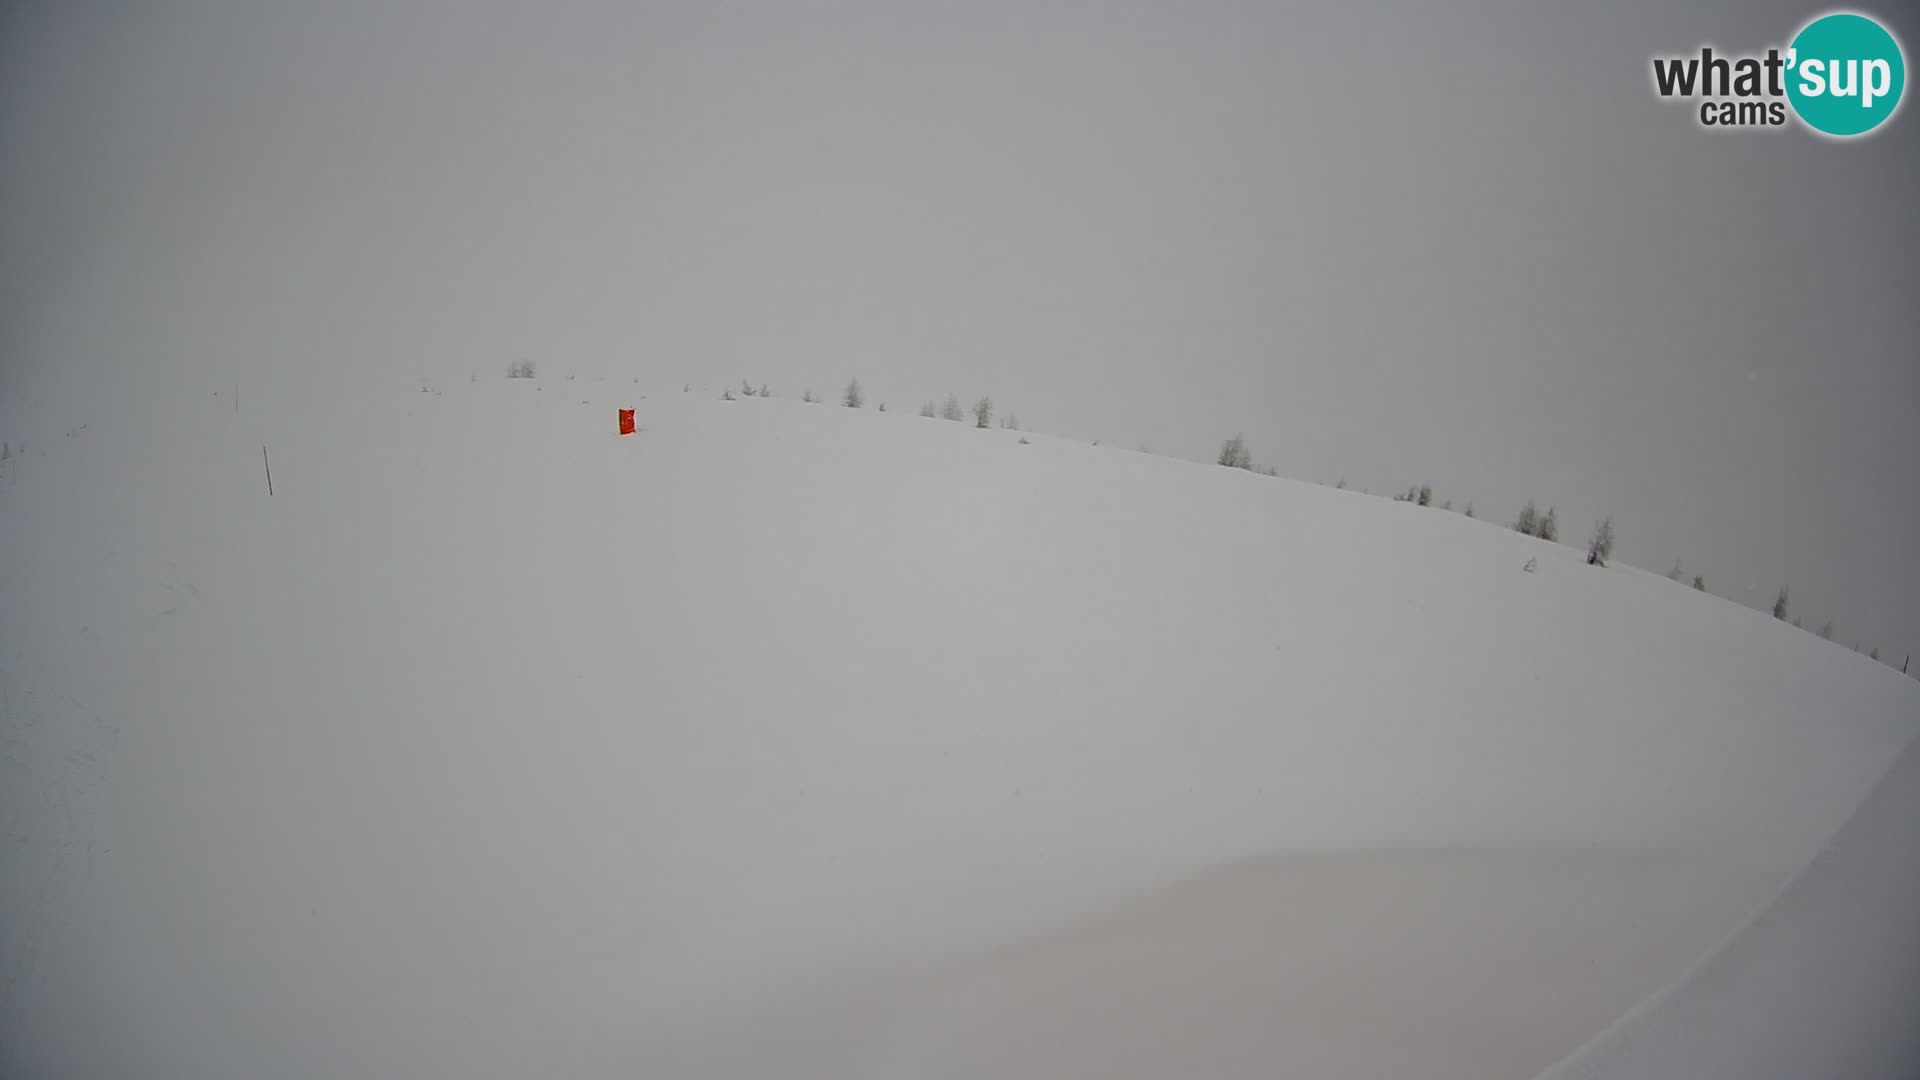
x: 1424, y: 496
x: 727, y: 394
x: 851, y: 397
x: 746, y: 388
x: 883, y: 406
x: 1469, y: 510
x: 1447, y: 505
x: 1548, y: 527
x: 1826, y: 629
x: 1528, y: 521
x: 763, y: 390
x: 1699, y: 583
x: 1875, y: 654
x: 1674, y: 574
x: 952, y: 410
x: 928, y: 410
x: 1235, y: 455
x: 1780, y: 604
x: 983, y: 412
x: 1600, y: 547
x: 807, y: 397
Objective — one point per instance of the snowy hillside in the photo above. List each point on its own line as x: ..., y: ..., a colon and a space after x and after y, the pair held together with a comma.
x: 789, y: 740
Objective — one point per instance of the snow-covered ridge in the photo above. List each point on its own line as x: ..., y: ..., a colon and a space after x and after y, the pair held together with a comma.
x: 493, y: 743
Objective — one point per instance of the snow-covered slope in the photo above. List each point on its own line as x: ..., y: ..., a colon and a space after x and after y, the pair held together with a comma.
x: 1824, y: 982
x: 783, y: 738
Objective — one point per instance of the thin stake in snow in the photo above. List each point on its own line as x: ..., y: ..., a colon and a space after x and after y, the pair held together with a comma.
x: 269, y: 465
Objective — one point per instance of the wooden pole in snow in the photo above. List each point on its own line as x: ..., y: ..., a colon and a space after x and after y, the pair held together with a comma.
x: 269, y: 465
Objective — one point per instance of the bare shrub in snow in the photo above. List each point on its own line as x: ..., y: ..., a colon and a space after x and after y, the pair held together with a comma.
x: 852, y: 397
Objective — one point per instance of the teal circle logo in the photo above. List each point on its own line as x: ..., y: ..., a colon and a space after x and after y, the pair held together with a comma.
x: 1845, y: 74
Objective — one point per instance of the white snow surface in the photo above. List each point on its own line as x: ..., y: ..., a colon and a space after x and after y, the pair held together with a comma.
x: 1825, y: 982
x: 790, y: 740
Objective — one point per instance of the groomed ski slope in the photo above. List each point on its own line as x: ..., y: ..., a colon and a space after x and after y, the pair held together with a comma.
x: 790, y: 740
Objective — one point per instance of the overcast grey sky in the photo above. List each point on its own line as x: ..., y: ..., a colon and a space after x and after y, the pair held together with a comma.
x: 1388, y: 242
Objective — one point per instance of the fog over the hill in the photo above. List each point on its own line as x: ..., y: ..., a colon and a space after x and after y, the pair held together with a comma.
x: 1387, y: 242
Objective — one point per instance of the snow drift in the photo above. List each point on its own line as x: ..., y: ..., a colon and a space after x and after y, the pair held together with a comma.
x: 799, y: 740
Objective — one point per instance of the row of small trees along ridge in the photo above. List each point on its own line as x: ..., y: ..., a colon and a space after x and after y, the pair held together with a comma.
x: 1235, y: 454
x: 854, y: 396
